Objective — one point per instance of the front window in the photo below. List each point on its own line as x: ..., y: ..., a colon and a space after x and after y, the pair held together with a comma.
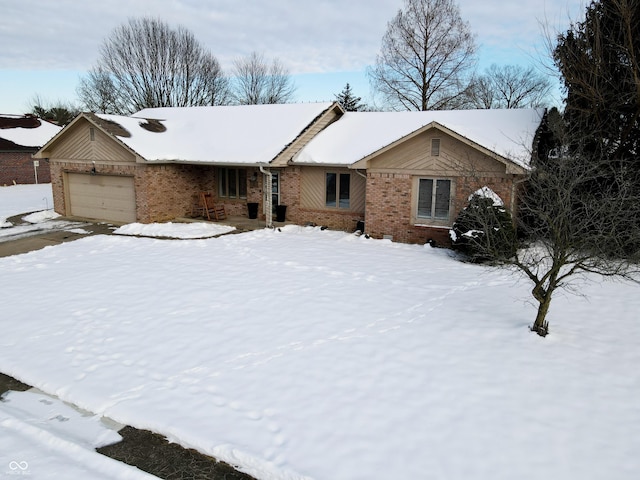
x: 338, y: 190
x: 434, y: 198
x: 232, y: 182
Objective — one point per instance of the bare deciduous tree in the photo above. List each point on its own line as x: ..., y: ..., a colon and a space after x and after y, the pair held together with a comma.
x: 258, y: 82
x: 426, y: 57
x: 145, y: 63
x: 509, y: 86
x: 99, y: 93
x: 566, y: 227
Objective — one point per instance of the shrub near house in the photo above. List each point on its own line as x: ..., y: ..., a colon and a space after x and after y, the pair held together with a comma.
x: 484, y: 225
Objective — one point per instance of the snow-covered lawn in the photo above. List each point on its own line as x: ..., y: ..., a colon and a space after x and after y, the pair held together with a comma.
x: 304, y: 353
x: 18, y: 199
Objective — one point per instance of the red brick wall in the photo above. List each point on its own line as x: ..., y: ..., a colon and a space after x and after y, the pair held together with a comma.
x: 388, y: 205
x: 290, y: 193
x: 17, y: 167
x: 165, y: 192
x: 57, y: 188
x: 336, y: 220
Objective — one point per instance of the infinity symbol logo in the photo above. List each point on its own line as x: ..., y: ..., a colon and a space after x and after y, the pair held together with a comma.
x: 13, y: 465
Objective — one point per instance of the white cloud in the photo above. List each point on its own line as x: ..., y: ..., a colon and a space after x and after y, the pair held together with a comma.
x: 320, y: 36
x: 312, y: 36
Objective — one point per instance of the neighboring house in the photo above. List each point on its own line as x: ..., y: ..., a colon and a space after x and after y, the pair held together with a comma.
x: 20, y: 137
x: 400, y: 175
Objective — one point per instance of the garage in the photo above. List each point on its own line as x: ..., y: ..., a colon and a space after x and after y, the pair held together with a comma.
x: 101, y: 197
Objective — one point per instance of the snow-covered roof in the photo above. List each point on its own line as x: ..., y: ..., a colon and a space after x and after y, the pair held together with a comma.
x: 27, y: 131
x: 247, y: 134
x: 509, y: 133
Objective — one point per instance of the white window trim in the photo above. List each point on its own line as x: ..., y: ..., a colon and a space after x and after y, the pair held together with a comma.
x: 431, y: 222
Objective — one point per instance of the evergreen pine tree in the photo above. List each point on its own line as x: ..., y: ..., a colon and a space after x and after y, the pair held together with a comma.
x: 349, y: 101
x: 599, y: 60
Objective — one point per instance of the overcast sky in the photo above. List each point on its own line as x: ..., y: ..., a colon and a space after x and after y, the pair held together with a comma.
x: 46, y: 45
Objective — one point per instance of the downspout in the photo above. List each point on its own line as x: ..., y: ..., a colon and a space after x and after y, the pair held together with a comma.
x: 266, y: 188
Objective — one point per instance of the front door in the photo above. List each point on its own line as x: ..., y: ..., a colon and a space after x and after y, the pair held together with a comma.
x: 275, y: 190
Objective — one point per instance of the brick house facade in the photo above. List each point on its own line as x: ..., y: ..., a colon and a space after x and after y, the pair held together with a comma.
x: 408, y: 189
x: 18, y: 167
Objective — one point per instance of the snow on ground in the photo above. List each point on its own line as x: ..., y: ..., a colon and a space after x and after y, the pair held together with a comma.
x: 57, y: 440
x: 304, y: 353
x: 18, y: 199
x: 174, y: 230
x: 37, y: 199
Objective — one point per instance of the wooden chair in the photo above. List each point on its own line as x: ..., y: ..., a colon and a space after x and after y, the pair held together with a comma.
x: 219, y: 212
x: 211, y: 209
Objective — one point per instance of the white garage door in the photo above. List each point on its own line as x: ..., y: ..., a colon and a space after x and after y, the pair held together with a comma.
x: 102, y: 197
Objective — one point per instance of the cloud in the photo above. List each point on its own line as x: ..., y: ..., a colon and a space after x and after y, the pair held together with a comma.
x: 308, y: 36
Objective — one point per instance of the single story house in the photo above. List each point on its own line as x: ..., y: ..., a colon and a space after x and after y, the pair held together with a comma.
x: 400, y: 175
x: 20, y: 137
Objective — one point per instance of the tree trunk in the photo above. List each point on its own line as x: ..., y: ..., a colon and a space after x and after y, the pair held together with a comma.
x: 541, y: 326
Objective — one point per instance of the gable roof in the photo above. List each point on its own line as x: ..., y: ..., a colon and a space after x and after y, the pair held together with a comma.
x: 223, y: 135
x: 26, y: 130
x: 361, y: 135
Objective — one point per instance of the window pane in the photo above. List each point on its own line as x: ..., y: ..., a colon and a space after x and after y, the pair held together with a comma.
x: 222, y: 184
x: 275, y: 190
x: 345, y: 187
x: 443, y: 193
x: 330, y: 190
x: 233, y: 187
x: 242, y: 183
x: 425, y: 195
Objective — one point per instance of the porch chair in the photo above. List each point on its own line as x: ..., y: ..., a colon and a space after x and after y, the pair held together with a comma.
x: 212, y: 209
